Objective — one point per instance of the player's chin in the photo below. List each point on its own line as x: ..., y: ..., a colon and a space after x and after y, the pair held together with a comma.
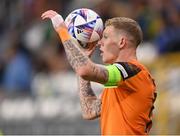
x: 106, y: 60
x: 103, y: 59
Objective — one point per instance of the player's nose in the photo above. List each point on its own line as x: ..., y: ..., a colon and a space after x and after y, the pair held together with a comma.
x: 99, y: 43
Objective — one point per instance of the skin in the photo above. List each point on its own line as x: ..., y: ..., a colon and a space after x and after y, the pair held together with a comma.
x: 114, y: 47
x: 90, y: 104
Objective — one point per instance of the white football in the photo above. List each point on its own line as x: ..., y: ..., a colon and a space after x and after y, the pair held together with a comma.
x: 85, y: 25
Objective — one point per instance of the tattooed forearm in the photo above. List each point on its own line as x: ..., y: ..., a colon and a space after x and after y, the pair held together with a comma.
x: 78, y: 59
x: 90, y: 104
x: 75, y: 56
x: 85, y: 88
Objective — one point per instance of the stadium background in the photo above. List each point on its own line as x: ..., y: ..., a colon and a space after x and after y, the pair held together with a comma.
x: 38, y: 89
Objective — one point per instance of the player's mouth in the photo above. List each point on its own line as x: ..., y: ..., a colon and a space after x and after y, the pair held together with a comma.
x: 101, y: 53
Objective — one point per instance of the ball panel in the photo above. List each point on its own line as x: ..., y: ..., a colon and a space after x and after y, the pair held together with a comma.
x: 94, y: 37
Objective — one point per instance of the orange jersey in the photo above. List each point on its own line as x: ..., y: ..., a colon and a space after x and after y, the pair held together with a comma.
x: 127, y: 108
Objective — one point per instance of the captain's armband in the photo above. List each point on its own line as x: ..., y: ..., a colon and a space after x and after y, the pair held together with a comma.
x: 114, y: 76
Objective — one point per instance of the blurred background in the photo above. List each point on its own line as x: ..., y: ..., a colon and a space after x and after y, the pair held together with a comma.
x: 38, y: 89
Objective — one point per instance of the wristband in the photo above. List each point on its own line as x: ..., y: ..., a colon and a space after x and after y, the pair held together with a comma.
x: 57, y: 20
x: 63, y: 34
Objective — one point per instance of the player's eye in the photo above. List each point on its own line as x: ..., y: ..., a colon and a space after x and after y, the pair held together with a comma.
x: 105, y: 36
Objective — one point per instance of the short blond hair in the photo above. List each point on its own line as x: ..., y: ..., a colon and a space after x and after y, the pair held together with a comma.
x: 128, y: 25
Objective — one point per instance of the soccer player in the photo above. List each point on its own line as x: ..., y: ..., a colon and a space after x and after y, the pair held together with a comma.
x: 126, y: 103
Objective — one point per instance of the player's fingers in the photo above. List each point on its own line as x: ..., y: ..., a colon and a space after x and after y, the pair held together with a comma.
x: 48, y: 14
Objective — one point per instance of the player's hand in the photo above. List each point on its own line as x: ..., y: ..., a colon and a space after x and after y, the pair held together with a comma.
x: 91, y: 48
x: 56, y: 19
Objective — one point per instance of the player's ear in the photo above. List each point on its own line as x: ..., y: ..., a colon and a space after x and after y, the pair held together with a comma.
x: 122, y: 42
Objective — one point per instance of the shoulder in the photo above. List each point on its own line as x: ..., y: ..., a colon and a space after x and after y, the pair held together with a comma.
x: 129, y: 69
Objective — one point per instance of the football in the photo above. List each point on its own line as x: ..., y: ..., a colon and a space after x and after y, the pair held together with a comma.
x: 85, y: 25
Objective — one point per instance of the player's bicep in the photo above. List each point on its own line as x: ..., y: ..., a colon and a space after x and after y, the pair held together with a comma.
x: 98, y: 73
x: 108, y: 75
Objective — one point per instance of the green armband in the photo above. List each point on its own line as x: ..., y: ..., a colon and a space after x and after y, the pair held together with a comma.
x: 114, y: 76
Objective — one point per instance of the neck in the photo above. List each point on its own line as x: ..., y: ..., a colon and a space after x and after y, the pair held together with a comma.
x: 127, y: 55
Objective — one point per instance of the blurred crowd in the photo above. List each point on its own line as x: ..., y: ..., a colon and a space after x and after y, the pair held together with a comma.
x: 33, y: 62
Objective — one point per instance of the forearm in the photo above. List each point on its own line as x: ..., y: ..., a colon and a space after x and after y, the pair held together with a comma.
x: 90, y: 104
x: 74, y: 54
x: 82, y: 65
x: 76, y: 57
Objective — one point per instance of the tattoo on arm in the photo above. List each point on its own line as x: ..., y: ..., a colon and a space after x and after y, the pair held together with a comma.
x: 100, y: 74
x: 74, y: 54
x: 90, y: 104
x: 77, y: 59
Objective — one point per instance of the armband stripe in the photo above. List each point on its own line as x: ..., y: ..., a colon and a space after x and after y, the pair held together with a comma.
x: 122, y: 69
